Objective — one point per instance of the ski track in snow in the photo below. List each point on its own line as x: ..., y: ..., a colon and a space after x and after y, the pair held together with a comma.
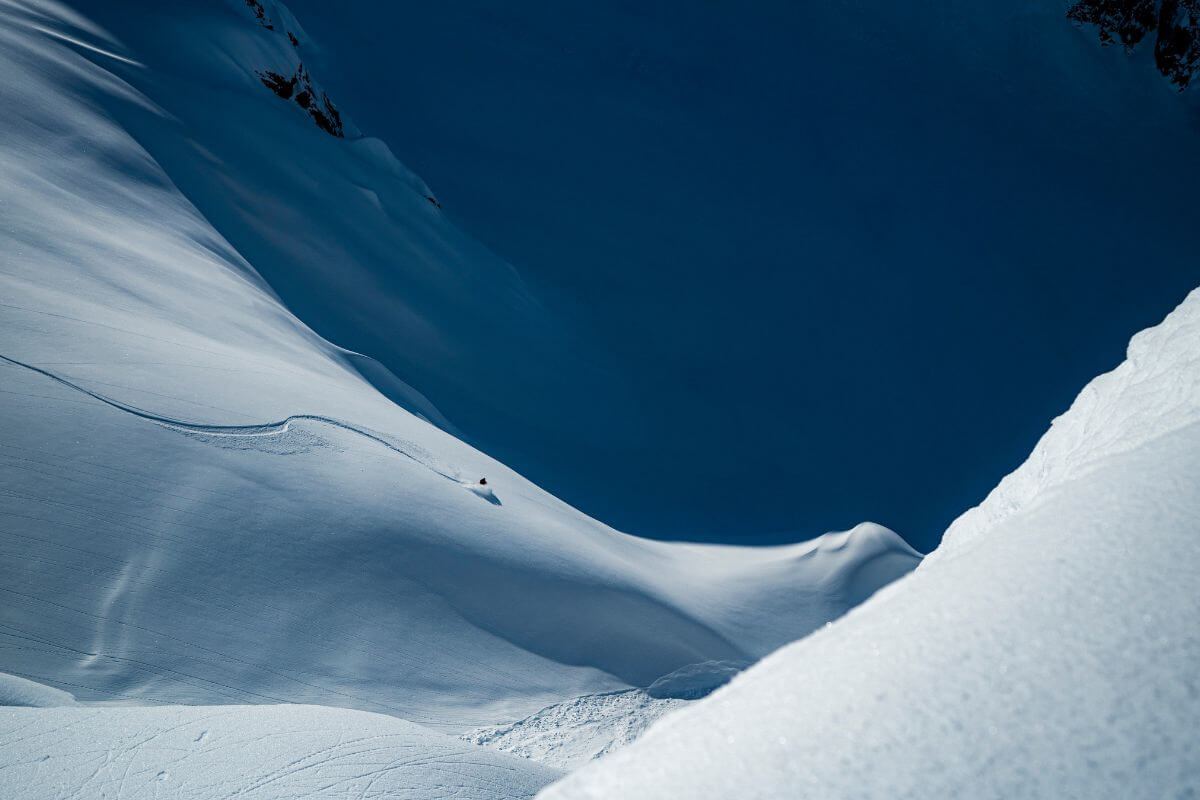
x: 262, y: 429
x: 284, y: 751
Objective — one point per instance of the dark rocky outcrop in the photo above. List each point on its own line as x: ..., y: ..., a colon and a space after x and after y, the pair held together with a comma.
x: 260, y: 13
x: 300, y: 90
x: 1175, y: 25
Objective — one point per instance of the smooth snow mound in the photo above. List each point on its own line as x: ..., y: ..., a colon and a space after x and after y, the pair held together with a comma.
x: 1056, y: 655
x: 18, y: 691
x: 261, y: 752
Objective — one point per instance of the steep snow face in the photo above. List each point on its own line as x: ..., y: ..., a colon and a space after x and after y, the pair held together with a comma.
x: 1053, y: 652
x: 260, y: 752
x: 202, y: 501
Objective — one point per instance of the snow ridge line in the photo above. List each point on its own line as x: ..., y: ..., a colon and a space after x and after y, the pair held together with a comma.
x: 261, y: 429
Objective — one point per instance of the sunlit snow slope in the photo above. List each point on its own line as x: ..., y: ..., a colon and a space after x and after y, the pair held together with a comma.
x: 1049, y: 649
x: 202, y: 501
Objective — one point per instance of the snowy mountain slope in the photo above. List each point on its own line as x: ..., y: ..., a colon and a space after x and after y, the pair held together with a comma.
x: 202, y: 501
x: 1054, y: 653
x: 385, y: 274
x: 203, y: 753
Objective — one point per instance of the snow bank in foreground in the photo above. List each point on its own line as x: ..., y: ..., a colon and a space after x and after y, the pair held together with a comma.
x: 1056, y: 655
x: 246, y: 751
x: 17, y: 691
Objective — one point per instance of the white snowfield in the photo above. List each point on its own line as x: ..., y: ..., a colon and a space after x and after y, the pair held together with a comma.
x: 259, y: 752
x: 1052, y: 652
x: 202, y: 501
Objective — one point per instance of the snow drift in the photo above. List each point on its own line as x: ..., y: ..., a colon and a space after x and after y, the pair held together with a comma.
x: 1049, y: 649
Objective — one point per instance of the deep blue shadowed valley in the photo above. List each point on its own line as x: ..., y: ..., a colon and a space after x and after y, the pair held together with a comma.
x: 834, y: 297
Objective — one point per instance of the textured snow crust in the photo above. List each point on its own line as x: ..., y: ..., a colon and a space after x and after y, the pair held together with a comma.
x: 261, y: 752
x: 568, y: 735
x: 1056, y: 654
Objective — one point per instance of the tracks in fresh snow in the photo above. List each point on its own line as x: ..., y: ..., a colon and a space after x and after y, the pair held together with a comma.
x: 261, y: 429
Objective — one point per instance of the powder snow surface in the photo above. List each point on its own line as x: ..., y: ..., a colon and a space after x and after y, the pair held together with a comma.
x: 1053, y: 651
x: 259, y: 752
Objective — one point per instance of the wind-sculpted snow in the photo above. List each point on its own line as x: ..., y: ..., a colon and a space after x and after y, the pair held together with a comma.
x: 1155, y: 391
x: 1055, y: 653
x: 259, y: 752
x: 202, y: 501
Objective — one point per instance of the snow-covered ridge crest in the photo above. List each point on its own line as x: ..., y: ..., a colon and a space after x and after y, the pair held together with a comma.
x: 1153, y: 392
x: 1054, y: 654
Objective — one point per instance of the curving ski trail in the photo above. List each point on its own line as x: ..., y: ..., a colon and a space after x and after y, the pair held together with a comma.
x: 261, y: 429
